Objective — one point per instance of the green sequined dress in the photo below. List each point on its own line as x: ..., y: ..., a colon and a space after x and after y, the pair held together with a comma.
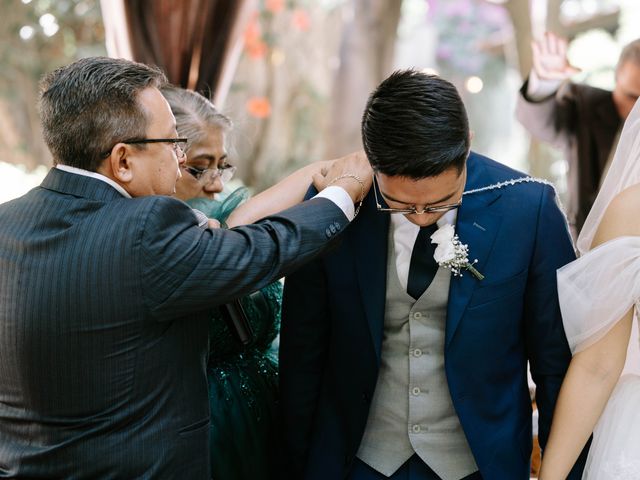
x: 243, y: 380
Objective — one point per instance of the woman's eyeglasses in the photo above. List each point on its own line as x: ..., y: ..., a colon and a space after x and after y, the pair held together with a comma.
x: 208, y: 175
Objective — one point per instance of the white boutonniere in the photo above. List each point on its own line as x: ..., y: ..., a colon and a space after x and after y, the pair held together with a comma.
x: 451, y: 253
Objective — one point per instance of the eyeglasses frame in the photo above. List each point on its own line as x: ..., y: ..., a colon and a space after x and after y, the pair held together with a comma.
x: 178, y: 149
x: 217, y: 172
x: 413, y: 210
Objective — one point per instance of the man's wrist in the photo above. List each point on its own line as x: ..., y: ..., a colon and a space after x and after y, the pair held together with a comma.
x: 340, y: 198
x: 352, y: 184
x: 359, y: 196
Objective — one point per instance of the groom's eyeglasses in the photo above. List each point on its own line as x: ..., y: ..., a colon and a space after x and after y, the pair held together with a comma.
x: 410, y: 210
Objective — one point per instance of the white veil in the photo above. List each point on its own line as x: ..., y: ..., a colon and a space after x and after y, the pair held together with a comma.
x: 596, y: 290
x: 624, y: 172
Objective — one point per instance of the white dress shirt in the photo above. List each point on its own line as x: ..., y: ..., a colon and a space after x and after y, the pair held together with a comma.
x: 404, y: 237
x: 96, y: 175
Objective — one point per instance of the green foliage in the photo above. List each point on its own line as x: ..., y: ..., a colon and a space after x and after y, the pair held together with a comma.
x: 38, y: 36
x: 80, y: 33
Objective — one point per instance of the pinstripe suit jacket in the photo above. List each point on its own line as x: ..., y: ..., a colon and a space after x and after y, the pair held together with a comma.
x: 104, y: 303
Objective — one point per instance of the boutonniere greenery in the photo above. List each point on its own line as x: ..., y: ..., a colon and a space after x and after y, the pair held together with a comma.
x: 451, y: 253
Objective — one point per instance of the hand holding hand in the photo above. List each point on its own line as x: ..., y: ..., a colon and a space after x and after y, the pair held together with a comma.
x: 550, y: 58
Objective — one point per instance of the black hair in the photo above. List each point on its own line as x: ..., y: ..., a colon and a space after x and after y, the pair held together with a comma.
x: 92, y: 104
x: 415, y: 125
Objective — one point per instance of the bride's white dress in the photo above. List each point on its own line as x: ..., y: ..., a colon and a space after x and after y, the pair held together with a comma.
x: 595, y: 291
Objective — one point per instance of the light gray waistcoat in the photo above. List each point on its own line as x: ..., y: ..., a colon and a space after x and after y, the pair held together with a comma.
x: 411, y: 410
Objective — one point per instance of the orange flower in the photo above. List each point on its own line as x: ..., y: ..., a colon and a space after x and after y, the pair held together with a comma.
x: 252, y: 32
x: 274, y: 6
x: 259, y: 107
x: 301, y: 20
x: 256, y: 49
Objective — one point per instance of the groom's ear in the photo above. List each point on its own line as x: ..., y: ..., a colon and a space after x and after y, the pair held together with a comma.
x: 471, y: 135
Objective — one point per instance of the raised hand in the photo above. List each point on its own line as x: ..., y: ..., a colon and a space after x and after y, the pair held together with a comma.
x: 550, y: 58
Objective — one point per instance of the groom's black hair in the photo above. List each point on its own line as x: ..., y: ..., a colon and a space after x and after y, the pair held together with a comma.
x: 415, y: 125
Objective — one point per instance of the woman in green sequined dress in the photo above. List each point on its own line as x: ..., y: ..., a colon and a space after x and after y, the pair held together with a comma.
x: 243, y: 379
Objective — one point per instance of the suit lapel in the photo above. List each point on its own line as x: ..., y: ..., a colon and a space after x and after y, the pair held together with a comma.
x: 369, y: 247
x: 476, y: 227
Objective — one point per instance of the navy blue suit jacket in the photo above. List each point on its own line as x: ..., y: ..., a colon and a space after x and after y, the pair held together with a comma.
x: 332, y: 330
x: 104, y: 310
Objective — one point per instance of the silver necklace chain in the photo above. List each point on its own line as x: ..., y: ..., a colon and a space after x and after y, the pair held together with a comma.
x: 515, y: 181
x: 511, y: 182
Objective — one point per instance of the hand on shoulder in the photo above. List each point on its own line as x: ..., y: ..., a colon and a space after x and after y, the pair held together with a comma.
x: 351, y: 172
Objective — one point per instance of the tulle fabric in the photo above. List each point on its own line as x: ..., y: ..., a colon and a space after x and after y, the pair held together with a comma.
x: 596, y: 290
x: 615, y: 450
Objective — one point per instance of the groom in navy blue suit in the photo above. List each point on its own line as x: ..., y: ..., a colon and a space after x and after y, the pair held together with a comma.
x: 395, y: 366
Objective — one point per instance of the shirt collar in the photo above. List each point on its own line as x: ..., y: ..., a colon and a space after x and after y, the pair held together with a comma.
x: 96, y: 175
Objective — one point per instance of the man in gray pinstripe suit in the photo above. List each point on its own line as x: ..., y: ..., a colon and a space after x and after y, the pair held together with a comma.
x: 106, y: 285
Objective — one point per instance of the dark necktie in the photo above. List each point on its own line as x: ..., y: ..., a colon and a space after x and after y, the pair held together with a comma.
x: 423, y: 266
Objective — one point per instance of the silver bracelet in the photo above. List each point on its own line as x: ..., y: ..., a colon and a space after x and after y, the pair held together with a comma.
x: 357, y: 179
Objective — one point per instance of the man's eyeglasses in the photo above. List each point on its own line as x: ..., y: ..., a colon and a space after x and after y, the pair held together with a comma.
x: 208, y: 175
x: 178, y: 144
x: 411, y: 210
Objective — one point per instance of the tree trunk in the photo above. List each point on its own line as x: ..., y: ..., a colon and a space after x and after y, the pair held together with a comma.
x: 553, y: 22
x: 540, y: 157
x: 520, y: 14
x: 366, y: 58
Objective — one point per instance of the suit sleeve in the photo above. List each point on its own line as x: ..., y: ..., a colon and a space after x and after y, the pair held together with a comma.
x: 549, y: 120
x: 547, y: 346
x: 186, y: 268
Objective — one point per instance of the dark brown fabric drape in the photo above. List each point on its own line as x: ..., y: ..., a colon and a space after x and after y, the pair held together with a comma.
x: 191, y: 40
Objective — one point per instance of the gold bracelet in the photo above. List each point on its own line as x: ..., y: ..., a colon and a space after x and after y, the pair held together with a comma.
x: 357, y: 179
